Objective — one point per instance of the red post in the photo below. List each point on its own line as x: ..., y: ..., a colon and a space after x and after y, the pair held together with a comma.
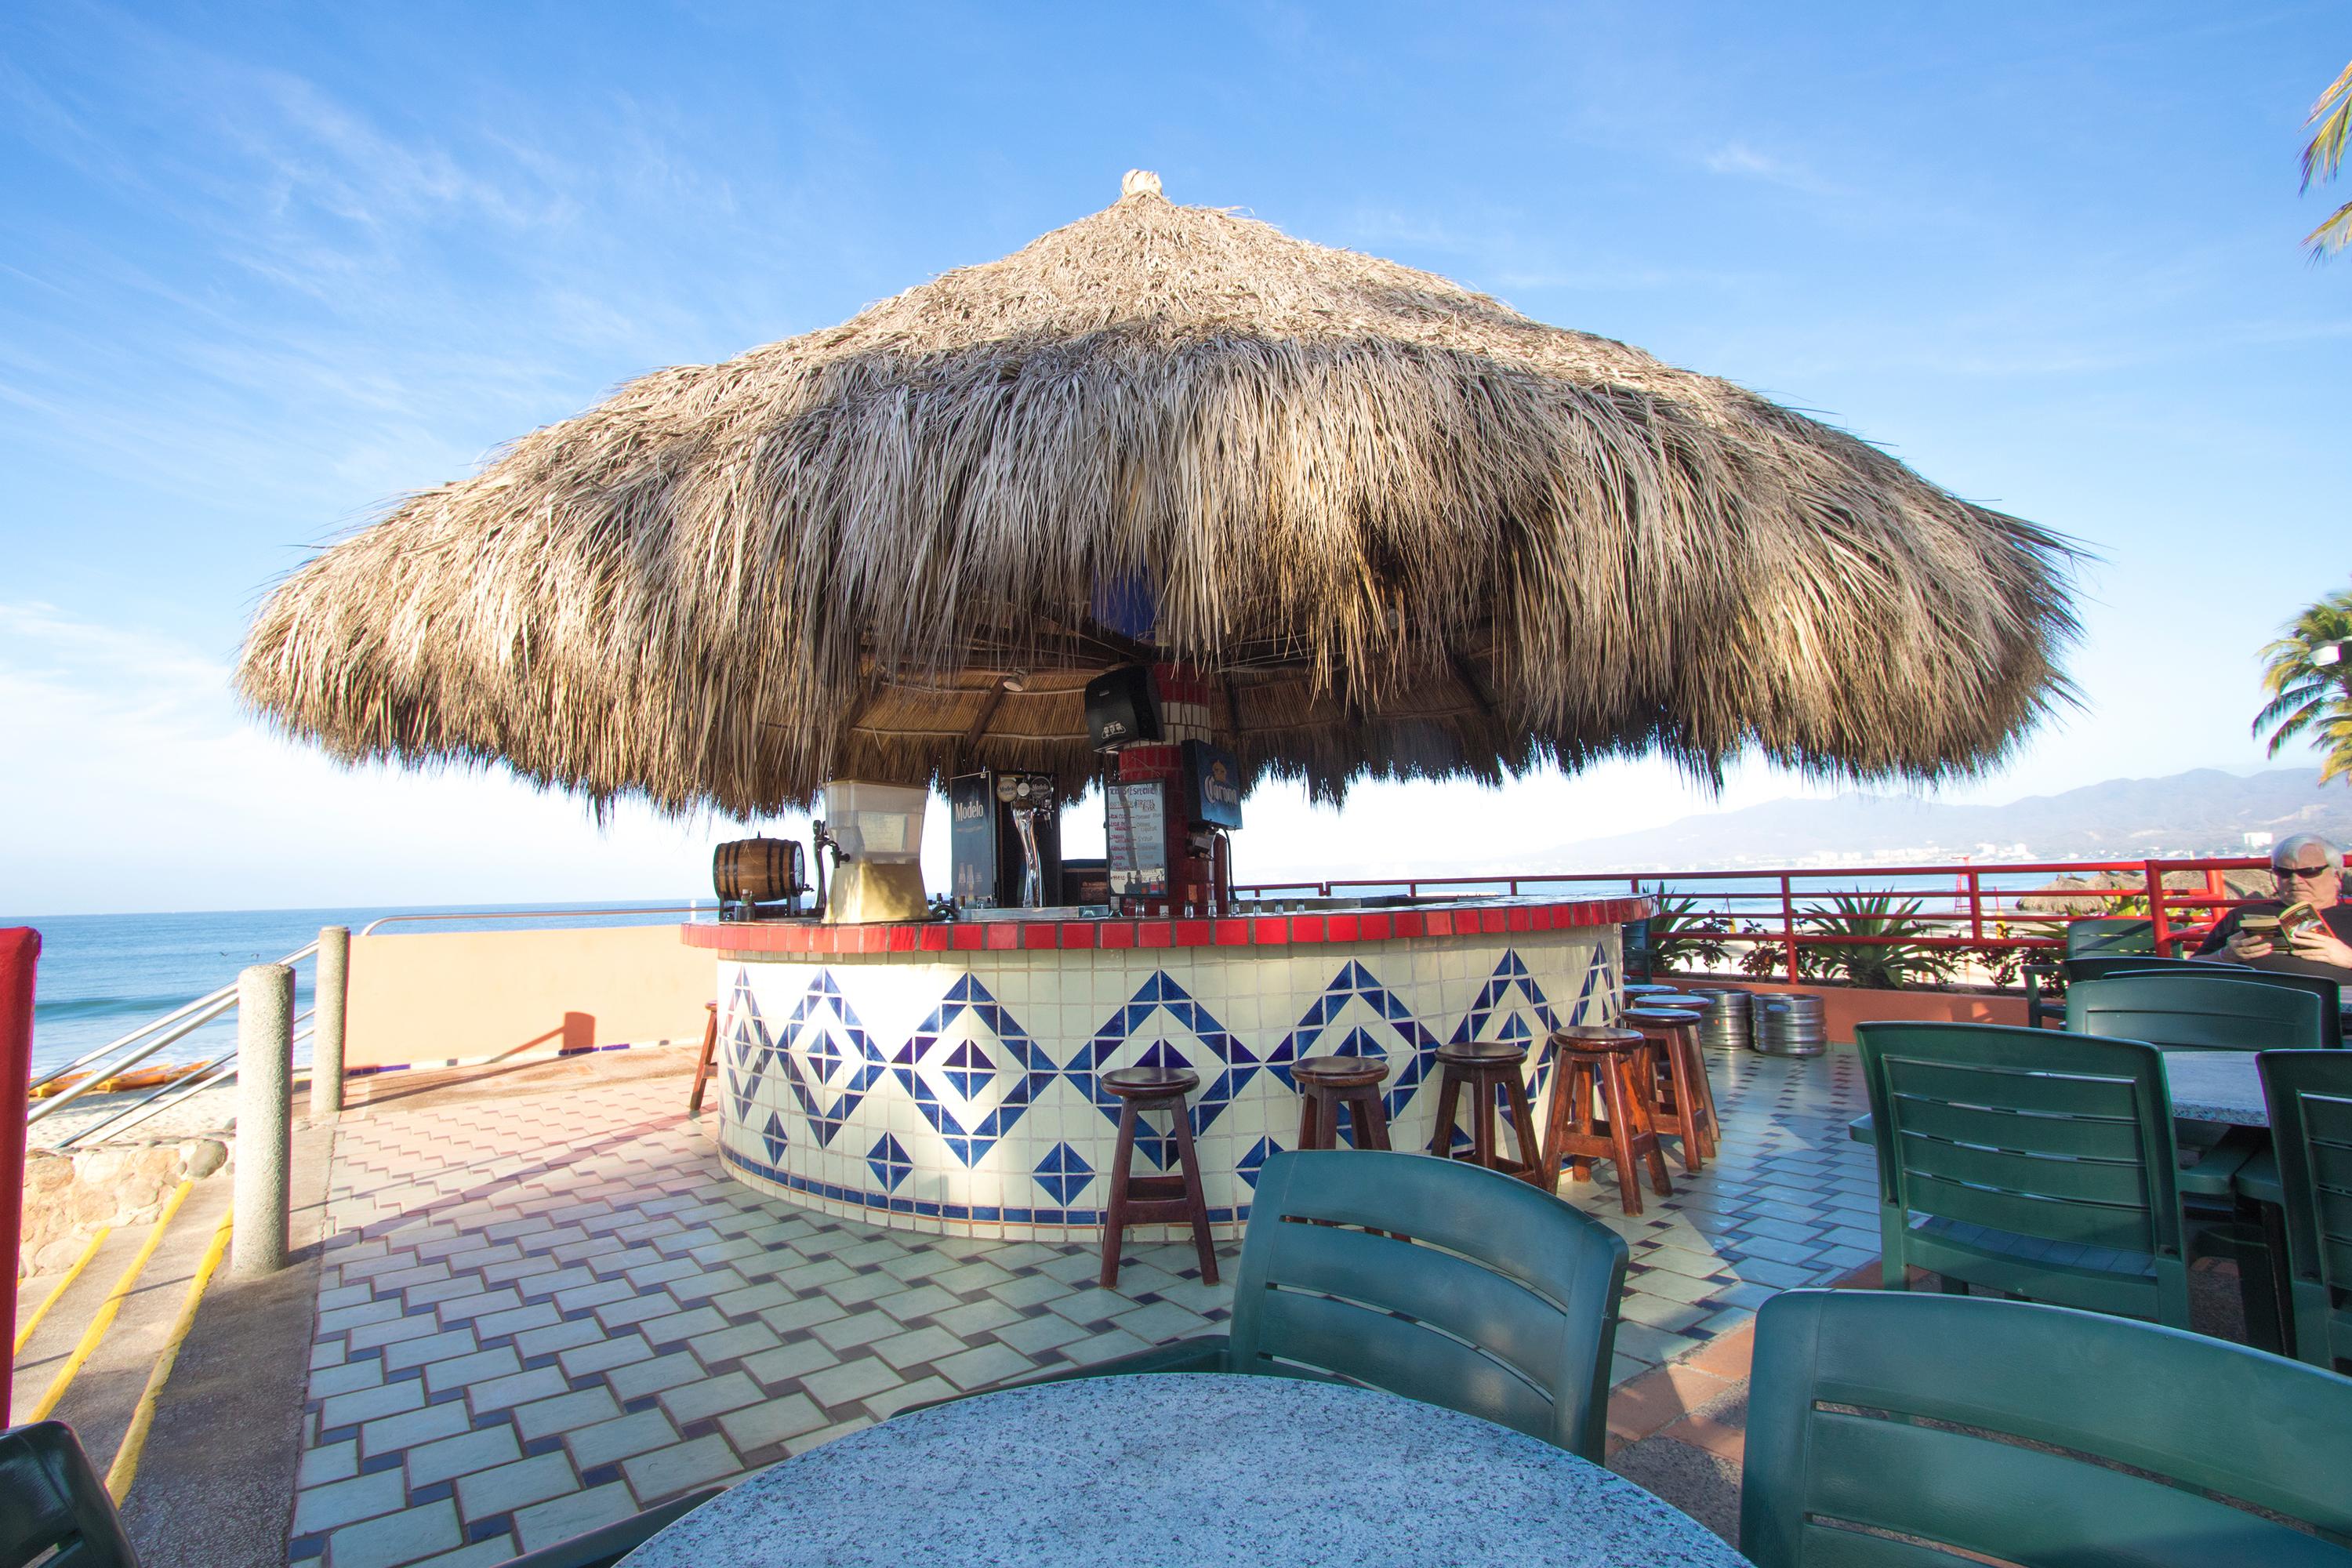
x: 1789, y: 925
x: 20, y: 950
x: 2154, y: 871
x: 1976, y: 907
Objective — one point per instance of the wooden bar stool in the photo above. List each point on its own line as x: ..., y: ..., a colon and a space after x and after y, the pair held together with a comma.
x: 1694, y: 1007
x: 707, y: 1065
x: 1607, y: 1064
x: 1326, y: 1083
x: 1168, y: 1199
x: 1685, y: 1107
x: 1483, y: 1067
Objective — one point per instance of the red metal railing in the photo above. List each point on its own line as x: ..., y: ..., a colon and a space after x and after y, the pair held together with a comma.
x: 20, y: 950
x: 1784, y: 906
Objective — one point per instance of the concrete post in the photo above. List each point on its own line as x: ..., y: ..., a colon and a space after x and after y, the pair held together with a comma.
x: 265, y: 1111
x: 327, y: 1004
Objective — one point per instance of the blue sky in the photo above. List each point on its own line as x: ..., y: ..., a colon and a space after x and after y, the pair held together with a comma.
x: 263, y: 269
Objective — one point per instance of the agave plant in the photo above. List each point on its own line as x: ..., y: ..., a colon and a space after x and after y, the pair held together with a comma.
x: 1897, y: 957
x: 1680, y: 939
x: 2310, y: 698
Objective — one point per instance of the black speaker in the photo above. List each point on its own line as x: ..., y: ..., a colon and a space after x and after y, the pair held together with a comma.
x: 1120, y: 707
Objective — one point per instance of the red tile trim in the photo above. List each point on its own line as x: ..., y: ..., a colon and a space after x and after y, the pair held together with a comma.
x: 1262, y: 930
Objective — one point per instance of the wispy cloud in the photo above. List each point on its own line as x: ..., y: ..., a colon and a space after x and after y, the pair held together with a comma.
x: 1739, y: 161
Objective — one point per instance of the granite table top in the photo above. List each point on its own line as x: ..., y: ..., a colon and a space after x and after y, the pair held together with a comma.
x: 2216, y: 1086
x: 1116, y: 1472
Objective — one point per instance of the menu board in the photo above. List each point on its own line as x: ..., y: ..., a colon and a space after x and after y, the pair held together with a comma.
x: 1136, y: 817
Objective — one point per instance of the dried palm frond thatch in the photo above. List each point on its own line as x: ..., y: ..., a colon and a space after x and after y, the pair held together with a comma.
x: 1406, y: 530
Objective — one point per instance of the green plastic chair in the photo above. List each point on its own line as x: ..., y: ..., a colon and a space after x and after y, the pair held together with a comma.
x: 2103, y: 966
x: 1502, y: 1304
x: 2309, y: 1095
x: 2108, y: 934
x: 2032, y: 1163
x: 2004, y: 1429
x: 2330, y: 995
x: 2038, y: 1007
x: 2194, y: 1013
x: 51, y: 1501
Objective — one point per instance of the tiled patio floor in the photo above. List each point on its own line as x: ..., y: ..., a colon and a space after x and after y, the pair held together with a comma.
x: 542, y: 1311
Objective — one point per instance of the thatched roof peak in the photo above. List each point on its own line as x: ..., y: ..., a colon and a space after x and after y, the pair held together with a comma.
x: 1408, y: 529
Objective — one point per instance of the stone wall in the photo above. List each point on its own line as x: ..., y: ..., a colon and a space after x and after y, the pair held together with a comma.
x: 69, y: 1195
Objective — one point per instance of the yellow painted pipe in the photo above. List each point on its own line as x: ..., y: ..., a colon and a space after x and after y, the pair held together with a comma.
x: 25, y: 1330
x: 108, y: 1309
x: 125, y: 1468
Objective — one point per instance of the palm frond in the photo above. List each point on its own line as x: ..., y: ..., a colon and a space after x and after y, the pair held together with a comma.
x: 2334, y: 234
x: 2332, y: 115
x: 2304, y: 711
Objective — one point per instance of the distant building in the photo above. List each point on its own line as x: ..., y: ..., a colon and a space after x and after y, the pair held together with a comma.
x: 2257, y: 840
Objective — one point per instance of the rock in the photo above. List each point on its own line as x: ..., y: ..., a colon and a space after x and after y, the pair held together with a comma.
x: 200, y: 1157
x: 102, y: 1166
x: 55, y: 1257
x: 92, y: 1204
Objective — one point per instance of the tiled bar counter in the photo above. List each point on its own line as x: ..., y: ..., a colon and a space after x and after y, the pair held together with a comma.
x: 941, y: 1076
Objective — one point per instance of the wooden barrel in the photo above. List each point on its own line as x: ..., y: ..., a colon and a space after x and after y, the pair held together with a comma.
x: 758, y: 870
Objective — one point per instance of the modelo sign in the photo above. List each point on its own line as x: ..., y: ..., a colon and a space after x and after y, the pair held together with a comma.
x: 1215, y: 781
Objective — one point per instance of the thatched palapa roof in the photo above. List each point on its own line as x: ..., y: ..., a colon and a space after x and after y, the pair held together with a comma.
x: 1406, y: 530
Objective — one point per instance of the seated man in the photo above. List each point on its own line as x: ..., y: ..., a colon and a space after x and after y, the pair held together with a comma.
x: 2310, y: 870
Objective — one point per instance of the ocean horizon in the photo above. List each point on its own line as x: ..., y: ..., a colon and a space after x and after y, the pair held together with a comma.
x: 101, y: 976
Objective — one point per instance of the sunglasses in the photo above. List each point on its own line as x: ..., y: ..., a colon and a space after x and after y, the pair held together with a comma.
x: 2318, y: 870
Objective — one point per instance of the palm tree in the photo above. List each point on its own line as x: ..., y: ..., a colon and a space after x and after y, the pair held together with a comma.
x: 2308, y: 674
x: 2332, y: 117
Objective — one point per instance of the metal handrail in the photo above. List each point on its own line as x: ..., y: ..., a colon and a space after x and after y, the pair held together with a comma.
x: 176, y: 1025
x: 1972, y: 902
x: 693, y: 908
x: 174, y: 1017
x: 220, y: 1069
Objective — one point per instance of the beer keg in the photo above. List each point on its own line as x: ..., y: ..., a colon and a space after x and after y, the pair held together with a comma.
x: 1728, y: 1018
x: 1790, y: 1025
x: 755, y: 872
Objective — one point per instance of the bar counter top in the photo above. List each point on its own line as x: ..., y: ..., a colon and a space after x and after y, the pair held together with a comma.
x: 1005, y: 932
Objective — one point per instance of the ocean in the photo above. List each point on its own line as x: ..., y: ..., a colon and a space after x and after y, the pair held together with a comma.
x: 101, y: 976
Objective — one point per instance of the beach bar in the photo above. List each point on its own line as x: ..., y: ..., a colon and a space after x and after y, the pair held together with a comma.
x: 1169, y: 505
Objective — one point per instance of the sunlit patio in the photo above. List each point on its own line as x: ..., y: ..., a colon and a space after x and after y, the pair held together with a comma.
x: 540, y: 1312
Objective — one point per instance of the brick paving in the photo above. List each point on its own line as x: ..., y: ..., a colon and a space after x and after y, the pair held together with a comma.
x: 541, y: 1311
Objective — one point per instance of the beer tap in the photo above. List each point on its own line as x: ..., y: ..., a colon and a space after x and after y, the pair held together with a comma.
x: 821, y: 839
x: 1028, y: 795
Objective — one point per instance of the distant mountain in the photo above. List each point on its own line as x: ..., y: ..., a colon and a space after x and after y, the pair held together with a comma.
x: 2206, y: 812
